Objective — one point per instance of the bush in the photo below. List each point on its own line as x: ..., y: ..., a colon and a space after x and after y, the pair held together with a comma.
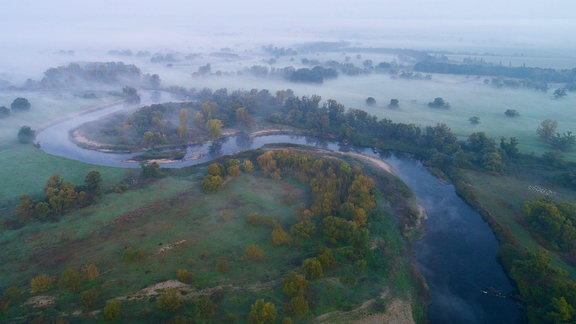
x: 90, y: 298
x: 185, y: 276
x: 90, y: 272
x: 42, y: 282
x: 169, y: 301
x: 254, y: 252
x: 112, y: 310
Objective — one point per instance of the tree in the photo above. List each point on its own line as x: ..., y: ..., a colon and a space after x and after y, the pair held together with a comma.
x: 149, y: 170
x: 394, y: 103
x: 113, y: 310
x: 41, y: 282
x: 26, y: 135
x: 26, y: 209
x: 511, y: 113
x: 438, y: 103
x: 248, y: 166
x: 214, y: 128
x: 295, y: 284
x: 474, y: 120
x: 93, y: 183
x: 183, y: 119
x: 169, y: 301
x: 4, y: 112
x: 254, y: 252
x: 262, y: 312
x: 312, y: 268
x: 131, y: 94
x: 547, y: 129
x: 279, y: 236
x: 562, y: 312
x: 559, y: 93
x: 212, y: 183
x: 205, y: 308
x: 20, y: 104
x: 563, y: 142
x: 298, y: 306
x: 90, y: 272
x: 370, y: 101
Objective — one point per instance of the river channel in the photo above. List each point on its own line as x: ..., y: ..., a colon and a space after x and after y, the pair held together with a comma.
x: 456, y: 255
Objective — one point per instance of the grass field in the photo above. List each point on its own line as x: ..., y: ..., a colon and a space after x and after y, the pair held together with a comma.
x: 25, y: 169
x: 142, y: 237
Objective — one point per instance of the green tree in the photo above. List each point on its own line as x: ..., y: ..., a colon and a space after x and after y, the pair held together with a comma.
x: 93, y: 183
x: 26, y: 135
x: 20, y: 104
x: 26, y: 209
x: 149, y: 170
x: 279, y: 236
x: 183, y: 122
x: 312, y: 268
x: 295, y: 284
x: 205, y: 308
x: 89, y: 299
x: 4, y: 112
x: 214, y: 128
x: 254, y: 252
x: 546, y: 130
x: 262, y: 312
x: 42, y: 282
x: 304, y: 229
x: 562, y: 311
x: 298, y: 306
x: 212, y: 183
x: 113, y: 310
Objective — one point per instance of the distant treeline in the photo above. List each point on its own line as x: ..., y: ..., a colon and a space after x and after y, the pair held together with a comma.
x: 531, y: 73
x: 77, y: 74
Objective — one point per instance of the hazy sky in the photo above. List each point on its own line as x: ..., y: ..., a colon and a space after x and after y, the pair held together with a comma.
x: 70, y: 23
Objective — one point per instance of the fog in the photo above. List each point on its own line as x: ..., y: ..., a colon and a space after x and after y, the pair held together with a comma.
x: 32, y: 30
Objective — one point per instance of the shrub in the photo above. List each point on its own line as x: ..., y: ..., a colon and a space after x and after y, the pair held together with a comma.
x: 90, y: 298
x: 90, y: 272
x: 112, y: 310
x: 42, y: 282
x: 169, y: 301
x: 185, y: 276
x: 254, y: 252
x: 280, y: 237
x: 262, y: 312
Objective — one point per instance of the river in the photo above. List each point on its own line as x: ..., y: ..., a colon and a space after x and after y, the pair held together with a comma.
x: 457, y: 254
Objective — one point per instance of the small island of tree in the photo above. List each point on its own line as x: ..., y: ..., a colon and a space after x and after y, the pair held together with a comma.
x: 370, y: 101
x: 4, y: 112
x: 438, y: 103
x: 20, y: 104
x: 26, y: 134
x: 511, y: 113
x: 394, y: 103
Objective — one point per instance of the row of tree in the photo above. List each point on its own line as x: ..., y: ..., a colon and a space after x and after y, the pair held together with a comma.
x: 60, y: 197
x: 19, y: 104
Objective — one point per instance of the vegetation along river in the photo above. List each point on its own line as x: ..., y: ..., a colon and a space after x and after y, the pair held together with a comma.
x: 456, y: 255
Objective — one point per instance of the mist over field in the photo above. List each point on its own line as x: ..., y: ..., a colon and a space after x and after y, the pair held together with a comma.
x: 34, y: 32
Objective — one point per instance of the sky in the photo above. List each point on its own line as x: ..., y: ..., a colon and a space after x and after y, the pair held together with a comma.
x: 108, y: 21
x: 187, y: 24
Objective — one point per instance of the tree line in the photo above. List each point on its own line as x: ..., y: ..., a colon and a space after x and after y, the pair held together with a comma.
x: 60, y: 197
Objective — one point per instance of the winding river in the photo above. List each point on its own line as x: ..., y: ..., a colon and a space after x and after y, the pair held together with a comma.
x: 457, y: 254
